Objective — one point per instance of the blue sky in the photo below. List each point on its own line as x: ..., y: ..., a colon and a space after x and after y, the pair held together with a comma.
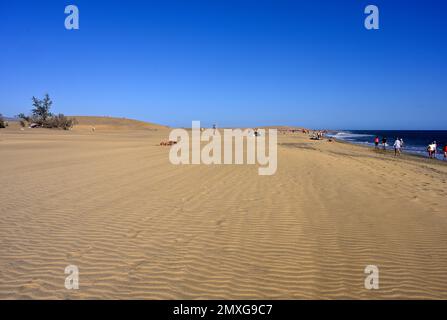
x: 234, y: 63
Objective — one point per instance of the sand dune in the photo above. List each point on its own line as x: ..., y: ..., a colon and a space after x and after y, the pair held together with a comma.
x: 139, y: 227
x: 113, y: 124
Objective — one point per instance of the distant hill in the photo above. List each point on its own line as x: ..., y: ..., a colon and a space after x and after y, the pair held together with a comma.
x: 110, y: 123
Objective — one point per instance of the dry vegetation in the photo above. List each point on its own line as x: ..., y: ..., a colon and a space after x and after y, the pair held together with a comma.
x: 43, y: 118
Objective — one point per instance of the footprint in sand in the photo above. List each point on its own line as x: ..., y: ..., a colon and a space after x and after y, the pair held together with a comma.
x: 79, y: 253
x: 134, y: 268
x: 134, y: 234
x: 135, y: 265
x: 220, y: 222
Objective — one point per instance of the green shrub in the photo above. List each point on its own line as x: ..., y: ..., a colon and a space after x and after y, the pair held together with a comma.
x: 59, y: 121
x: 23, y: 117
x: 42, y: 116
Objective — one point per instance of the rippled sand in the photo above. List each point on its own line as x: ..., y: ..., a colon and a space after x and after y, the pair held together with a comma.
x: 111, y: 203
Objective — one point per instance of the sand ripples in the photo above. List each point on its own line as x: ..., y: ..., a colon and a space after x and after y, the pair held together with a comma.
x: 138, y: 227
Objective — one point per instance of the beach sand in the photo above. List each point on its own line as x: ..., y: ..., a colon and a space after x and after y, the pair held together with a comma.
x: 139, y: 227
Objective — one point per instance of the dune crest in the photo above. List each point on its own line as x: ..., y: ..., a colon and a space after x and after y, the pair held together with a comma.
x: 112, y: 124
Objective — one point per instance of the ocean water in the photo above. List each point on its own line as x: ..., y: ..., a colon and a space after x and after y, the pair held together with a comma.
x: 415, y: 141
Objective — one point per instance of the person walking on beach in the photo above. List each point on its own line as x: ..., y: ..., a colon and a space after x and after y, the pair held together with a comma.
x: 397, y: 147
x: 384, y: 143
x: 401, y: 143
x: 445, y: 151
x: 431, y: 150
x: 435, y: 146
x: 376, y: 142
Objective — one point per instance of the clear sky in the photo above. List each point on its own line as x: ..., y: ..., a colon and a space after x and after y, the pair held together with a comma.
x: 234, y: 63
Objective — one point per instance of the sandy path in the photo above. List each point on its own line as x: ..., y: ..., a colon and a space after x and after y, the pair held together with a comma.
x: 139, y: 227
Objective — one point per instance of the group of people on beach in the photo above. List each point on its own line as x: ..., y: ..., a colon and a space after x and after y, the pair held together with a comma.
x: 399, y: 144
x: 432, y: 149
x: 318, y: 135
